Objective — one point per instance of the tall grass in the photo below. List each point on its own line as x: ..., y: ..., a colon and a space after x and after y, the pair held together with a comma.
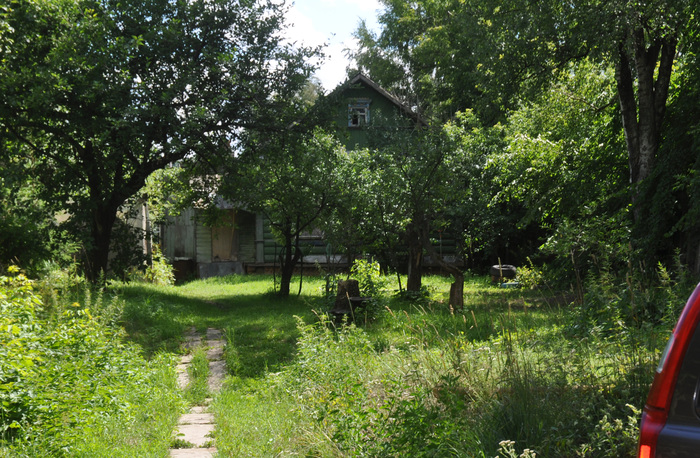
x: 69, y: 383
x: 198, y: 388
x: 516, y: 373
x: 510, y: 375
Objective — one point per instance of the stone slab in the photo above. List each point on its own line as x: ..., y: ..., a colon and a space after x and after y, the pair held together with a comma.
x: 196, y: 419
x: 183, y: 378
x: 215, y: 351
x: 198, y: 435
x: 217, y: 374
x: 214, y: 334
x: 192, y: 452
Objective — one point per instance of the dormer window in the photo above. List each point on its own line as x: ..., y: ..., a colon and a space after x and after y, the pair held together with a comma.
x: 358, y: 112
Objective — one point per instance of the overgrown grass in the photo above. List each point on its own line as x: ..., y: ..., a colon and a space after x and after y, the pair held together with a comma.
x: 516, y: 373
x: 508, y: 374
x: 69, y: 383
x: 198, y: 388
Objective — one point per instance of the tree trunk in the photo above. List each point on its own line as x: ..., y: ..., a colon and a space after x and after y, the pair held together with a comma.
x: 643, y: 112
x: 97, y: 261
x: 457, y: 293
x: 285, y: 279
x: 346, y: 288
x: 415, y: 267
x: 288, y: 260
x: 456, y: 300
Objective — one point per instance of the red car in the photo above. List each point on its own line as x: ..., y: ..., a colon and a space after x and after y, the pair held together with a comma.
x: 670, y: 424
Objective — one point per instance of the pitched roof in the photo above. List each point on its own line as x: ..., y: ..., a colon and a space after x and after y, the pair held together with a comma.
x: 362, y: 79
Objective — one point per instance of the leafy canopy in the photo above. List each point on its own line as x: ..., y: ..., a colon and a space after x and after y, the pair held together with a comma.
x: 102, y: 93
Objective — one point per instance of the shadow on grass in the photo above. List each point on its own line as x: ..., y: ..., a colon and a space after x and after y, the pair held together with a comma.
x: 156, y: 317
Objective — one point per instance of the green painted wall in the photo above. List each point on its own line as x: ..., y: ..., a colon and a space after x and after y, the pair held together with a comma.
x: 382, y: 112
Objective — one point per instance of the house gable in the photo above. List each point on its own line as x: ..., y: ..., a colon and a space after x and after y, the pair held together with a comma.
x: 361, y: 105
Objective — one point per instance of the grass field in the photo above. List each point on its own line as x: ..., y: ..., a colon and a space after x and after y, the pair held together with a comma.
x: 515, y: 370
x: 518, y: 372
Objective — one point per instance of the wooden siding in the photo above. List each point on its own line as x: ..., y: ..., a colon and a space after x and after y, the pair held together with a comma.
x: 179, y: 236
x: 203, y: 236
x: 383, y: 111
x: 245, y: 227
x: 223, y: 240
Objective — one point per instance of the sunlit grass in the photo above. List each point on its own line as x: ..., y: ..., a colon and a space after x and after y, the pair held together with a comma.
x: 505, y: 367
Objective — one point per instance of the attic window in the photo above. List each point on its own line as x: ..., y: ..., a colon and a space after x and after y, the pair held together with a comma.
x: 358, y: 112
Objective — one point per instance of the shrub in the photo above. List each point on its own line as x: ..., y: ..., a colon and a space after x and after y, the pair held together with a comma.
x: 530, y: 277
x: 159, y: 272
x: 64, y: 375
x: 368, y: 275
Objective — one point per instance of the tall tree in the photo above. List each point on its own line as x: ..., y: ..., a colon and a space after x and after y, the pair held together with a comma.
x: 512, y: 47
x: 639, y: 39
x: 412, y: 183
x: 104, y: 92
x: 289, y: 178
x: 425, y: 54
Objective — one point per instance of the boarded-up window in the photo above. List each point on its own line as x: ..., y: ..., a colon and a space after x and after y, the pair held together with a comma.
x: 178, y: 236
x: 224, y: 246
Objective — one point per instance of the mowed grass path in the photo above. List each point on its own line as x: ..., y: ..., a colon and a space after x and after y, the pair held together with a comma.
x: 263, y: 323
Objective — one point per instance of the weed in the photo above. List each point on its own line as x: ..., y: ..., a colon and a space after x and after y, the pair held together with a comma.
x: 71, y: 385
x: 158, y: 272
x: 231, y: 354
x: 198, y: 369
x: 520, y: 366
x: 179, y: 442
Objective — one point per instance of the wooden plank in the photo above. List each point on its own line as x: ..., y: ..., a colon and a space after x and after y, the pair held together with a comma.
x: 203, y: 236
x: 178, y: 236
x: 223, y: 247
x: 246, y: 227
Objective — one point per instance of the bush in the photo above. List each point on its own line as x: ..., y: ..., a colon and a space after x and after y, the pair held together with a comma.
x: 159, y: 272
x: 530, y: 277
x: 368, y: 275
x: 65, y: 375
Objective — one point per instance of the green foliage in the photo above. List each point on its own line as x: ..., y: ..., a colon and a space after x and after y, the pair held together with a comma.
x: 403, y: 189
x: 420, y: 381
x: 158, y: 272
x: 531, y: 276
x: 231, y: 354
x: 291, y: 179
x: 25, y: 227
x: 284, y: 431
x: 562, y: 176
x: 434, y: 389
x: 558, y: 79
x: 590, y: 245
x: 65, y: 376
x: 612, y: 303
x: 613, y: 437
x: 506, y: 449
x: 150, y: 322
x: 369, y: 276
x: 426, y: 52
x: 122, y: 118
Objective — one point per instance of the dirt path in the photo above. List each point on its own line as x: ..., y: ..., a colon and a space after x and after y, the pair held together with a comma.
x: 196, y: 426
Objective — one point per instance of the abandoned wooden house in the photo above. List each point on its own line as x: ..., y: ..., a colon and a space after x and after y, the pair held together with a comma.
x: 245, y: 244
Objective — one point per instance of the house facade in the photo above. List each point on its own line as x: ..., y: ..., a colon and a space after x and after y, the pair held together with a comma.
x: 244, y: 243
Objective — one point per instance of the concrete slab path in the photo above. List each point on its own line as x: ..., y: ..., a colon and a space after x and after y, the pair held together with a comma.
x: 197, y: 426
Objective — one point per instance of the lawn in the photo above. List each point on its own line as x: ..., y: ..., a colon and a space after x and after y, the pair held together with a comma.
x: 517, y: 369
x: 517, y: 372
